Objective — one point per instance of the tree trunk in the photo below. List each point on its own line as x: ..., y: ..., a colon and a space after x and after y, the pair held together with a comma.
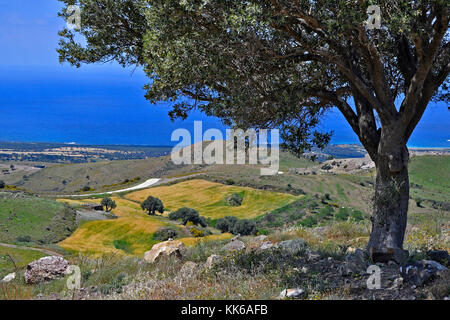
x: 390, y: 203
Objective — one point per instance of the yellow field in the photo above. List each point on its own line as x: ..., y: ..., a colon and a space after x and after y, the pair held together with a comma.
x: 132, y: 226
x: 189, y: 242
x: 209, y: 199
x: 135, y: 228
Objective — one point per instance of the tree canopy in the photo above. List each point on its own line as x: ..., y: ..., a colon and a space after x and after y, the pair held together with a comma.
x: 286, y: 61
x: 283, y: 64
x: 109, y: 204
x: 152, y: 205
x: 188, y: 215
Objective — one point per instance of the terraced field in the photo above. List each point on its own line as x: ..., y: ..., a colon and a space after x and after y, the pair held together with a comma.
x: 209, y: 198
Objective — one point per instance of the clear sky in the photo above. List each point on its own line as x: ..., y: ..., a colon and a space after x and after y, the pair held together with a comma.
x: 41, y: 100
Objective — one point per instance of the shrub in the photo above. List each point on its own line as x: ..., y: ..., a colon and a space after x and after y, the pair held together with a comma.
x: 245, y: 227
x: 325, y: 212
x: 188, y: 215
x: 164, y: 234
x: 86, y: 189
x: 308, y: 222
x: 235, y: 199
x: 357, y: 215
x: 23, y: 239
x: 229, y: 182
x: 122, y: 245
x: 418, y: 202
x: 342, y: 214
x: 152, y: 205
x: 197, y: 233
x: 226, y: 224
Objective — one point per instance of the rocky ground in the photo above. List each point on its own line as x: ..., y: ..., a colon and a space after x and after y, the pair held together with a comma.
x: 239, y: 269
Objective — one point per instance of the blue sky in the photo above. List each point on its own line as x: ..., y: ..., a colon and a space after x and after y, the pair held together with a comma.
x: 41, y: 100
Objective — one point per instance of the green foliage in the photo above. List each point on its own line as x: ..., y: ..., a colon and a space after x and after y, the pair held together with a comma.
x: 235, y: 199
x: 357, y: 215
x: 342, y: 214
x: 86, y: 189
x: 245, y: 227
x: 197, y: 233
x: 153, y: 205
x: 40, y: 220
x: 164, y: 234
x: 122, y: 245
x: 226, y: 224
x: 109, y: 204
x: 114, y: 286
x: 188, y: 215
x: 308, y: 222
x: 325, y: 212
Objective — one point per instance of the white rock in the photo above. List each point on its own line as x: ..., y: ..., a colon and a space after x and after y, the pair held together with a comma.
x: 10, y: 277
x: 167, y: 249
x: 292, y: 293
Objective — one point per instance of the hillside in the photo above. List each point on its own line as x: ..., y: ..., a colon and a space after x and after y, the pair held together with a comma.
x: 209, y: 199
x: 30, y: 220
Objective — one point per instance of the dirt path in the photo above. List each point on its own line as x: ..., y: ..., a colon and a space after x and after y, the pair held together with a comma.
x: 144, y: 185
x: 45, y: 251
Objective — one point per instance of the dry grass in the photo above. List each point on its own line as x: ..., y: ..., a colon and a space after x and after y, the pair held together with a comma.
x: 190, y: 242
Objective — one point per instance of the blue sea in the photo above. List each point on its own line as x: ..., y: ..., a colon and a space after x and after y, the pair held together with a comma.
x: 96, y: 105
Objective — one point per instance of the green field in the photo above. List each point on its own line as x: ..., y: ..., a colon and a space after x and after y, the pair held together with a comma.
x: 21, y: 258
x: 33, y: 220
x: 430, y: 177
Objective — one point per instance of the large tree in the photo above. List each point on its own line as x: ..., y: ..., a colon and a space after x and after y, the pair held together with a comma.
x: 282, y: 64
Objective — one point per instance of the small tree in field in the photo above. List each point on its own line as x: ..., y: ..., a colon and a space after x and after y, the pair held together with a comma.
x: 109, y: 204
x: 188, y: 215
x: 152, y: 205
x: 283, y: 64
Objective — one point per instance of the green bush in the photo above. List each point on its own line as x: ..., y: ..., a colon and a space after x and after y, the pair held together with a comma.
x: 229, y: 182
x: 86, y: 189
x: 197, y: 233
x: 325, y: 212
x: 342, y: 214
x: 226, y: 224
x: 23, y: 239
x: 308, y: 222
x: 357, y: 215
x: 188, y: 215
x: 164, y: 234
x: 235, y: 199
x: 122, y: 245
x: 245, y: 227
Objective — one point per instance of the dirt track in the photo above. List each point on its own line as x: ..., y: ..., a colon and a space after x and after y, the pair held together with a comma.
x: 46, y: 251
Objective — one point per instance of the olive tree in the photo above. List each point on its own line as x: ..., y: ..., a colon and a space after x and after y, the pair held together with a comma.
x: 283, y: 64
x: 152, y: 205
